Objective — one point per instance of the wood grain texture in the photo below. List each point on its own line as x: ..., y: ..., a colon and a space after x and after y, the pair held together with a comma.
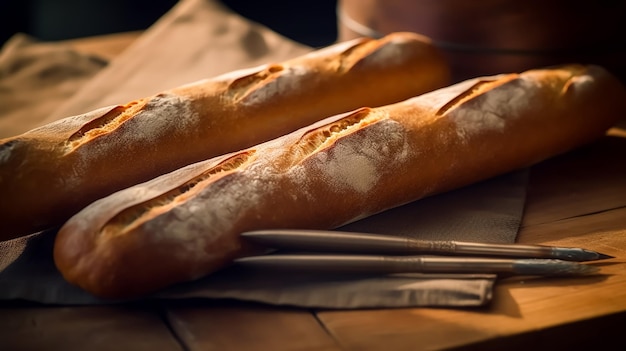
x: 84, y: 328
x: 241, y: 326
x: 587, y: 180
x: 526, y: 307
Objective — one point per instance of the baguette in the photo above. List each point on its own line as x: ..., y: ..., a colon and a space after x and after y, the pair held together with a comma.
x: 186, y: 224
x: 50, y: 173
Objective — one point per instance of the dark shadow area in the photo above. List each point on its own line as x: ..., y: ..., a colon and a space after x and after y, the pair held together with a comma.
x: 68, y: 19
x: 604, y: 333
x: 310, y: 22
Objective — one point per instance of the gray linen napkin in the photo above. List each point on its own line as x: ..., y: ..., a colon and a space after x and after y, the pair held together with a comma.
x: 192, y: 42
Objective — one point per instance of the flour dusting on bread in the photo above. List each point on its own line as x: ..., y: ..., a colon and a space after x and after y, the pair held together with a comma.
x: 391, y: 52
x: 356, y: 163
x: 285, y: 82
x: 164, y: 114
x: 491, y: 112
x: 479, y: 105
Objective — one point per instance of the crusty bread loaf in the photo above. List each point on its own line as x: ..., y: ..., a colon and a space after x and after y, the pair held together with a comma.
x: 51, y: 172
x: 186, y: 224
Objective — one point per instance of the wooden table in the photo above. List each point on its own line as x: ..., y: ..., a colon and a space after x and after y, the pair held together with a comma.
x: 577, y: 199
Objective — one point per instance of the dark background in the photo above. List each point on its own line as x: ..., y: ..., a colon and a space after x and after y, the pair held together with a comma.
x: 310, y: 22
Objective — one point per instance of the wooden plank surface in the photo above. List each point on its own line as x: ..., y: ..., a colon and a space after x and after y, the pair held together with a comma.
x: 90, y: 328
x: 209, y: 326
x: 588, y: 180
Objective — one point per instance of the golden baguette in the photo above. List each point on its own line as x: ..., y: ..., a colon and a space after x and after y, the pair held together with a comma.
x: 187, y: 224
x: 50, y: 173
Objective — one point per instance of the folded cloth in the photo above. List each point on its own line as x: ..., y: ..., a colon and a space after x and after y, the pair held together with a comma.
x: 198, y: 39
x: 35, y: 77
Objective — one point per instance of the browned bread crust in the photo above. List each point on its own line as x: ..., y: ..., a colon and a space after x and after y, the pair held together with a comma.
x: 50, y: 173
x: 186, y: 224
